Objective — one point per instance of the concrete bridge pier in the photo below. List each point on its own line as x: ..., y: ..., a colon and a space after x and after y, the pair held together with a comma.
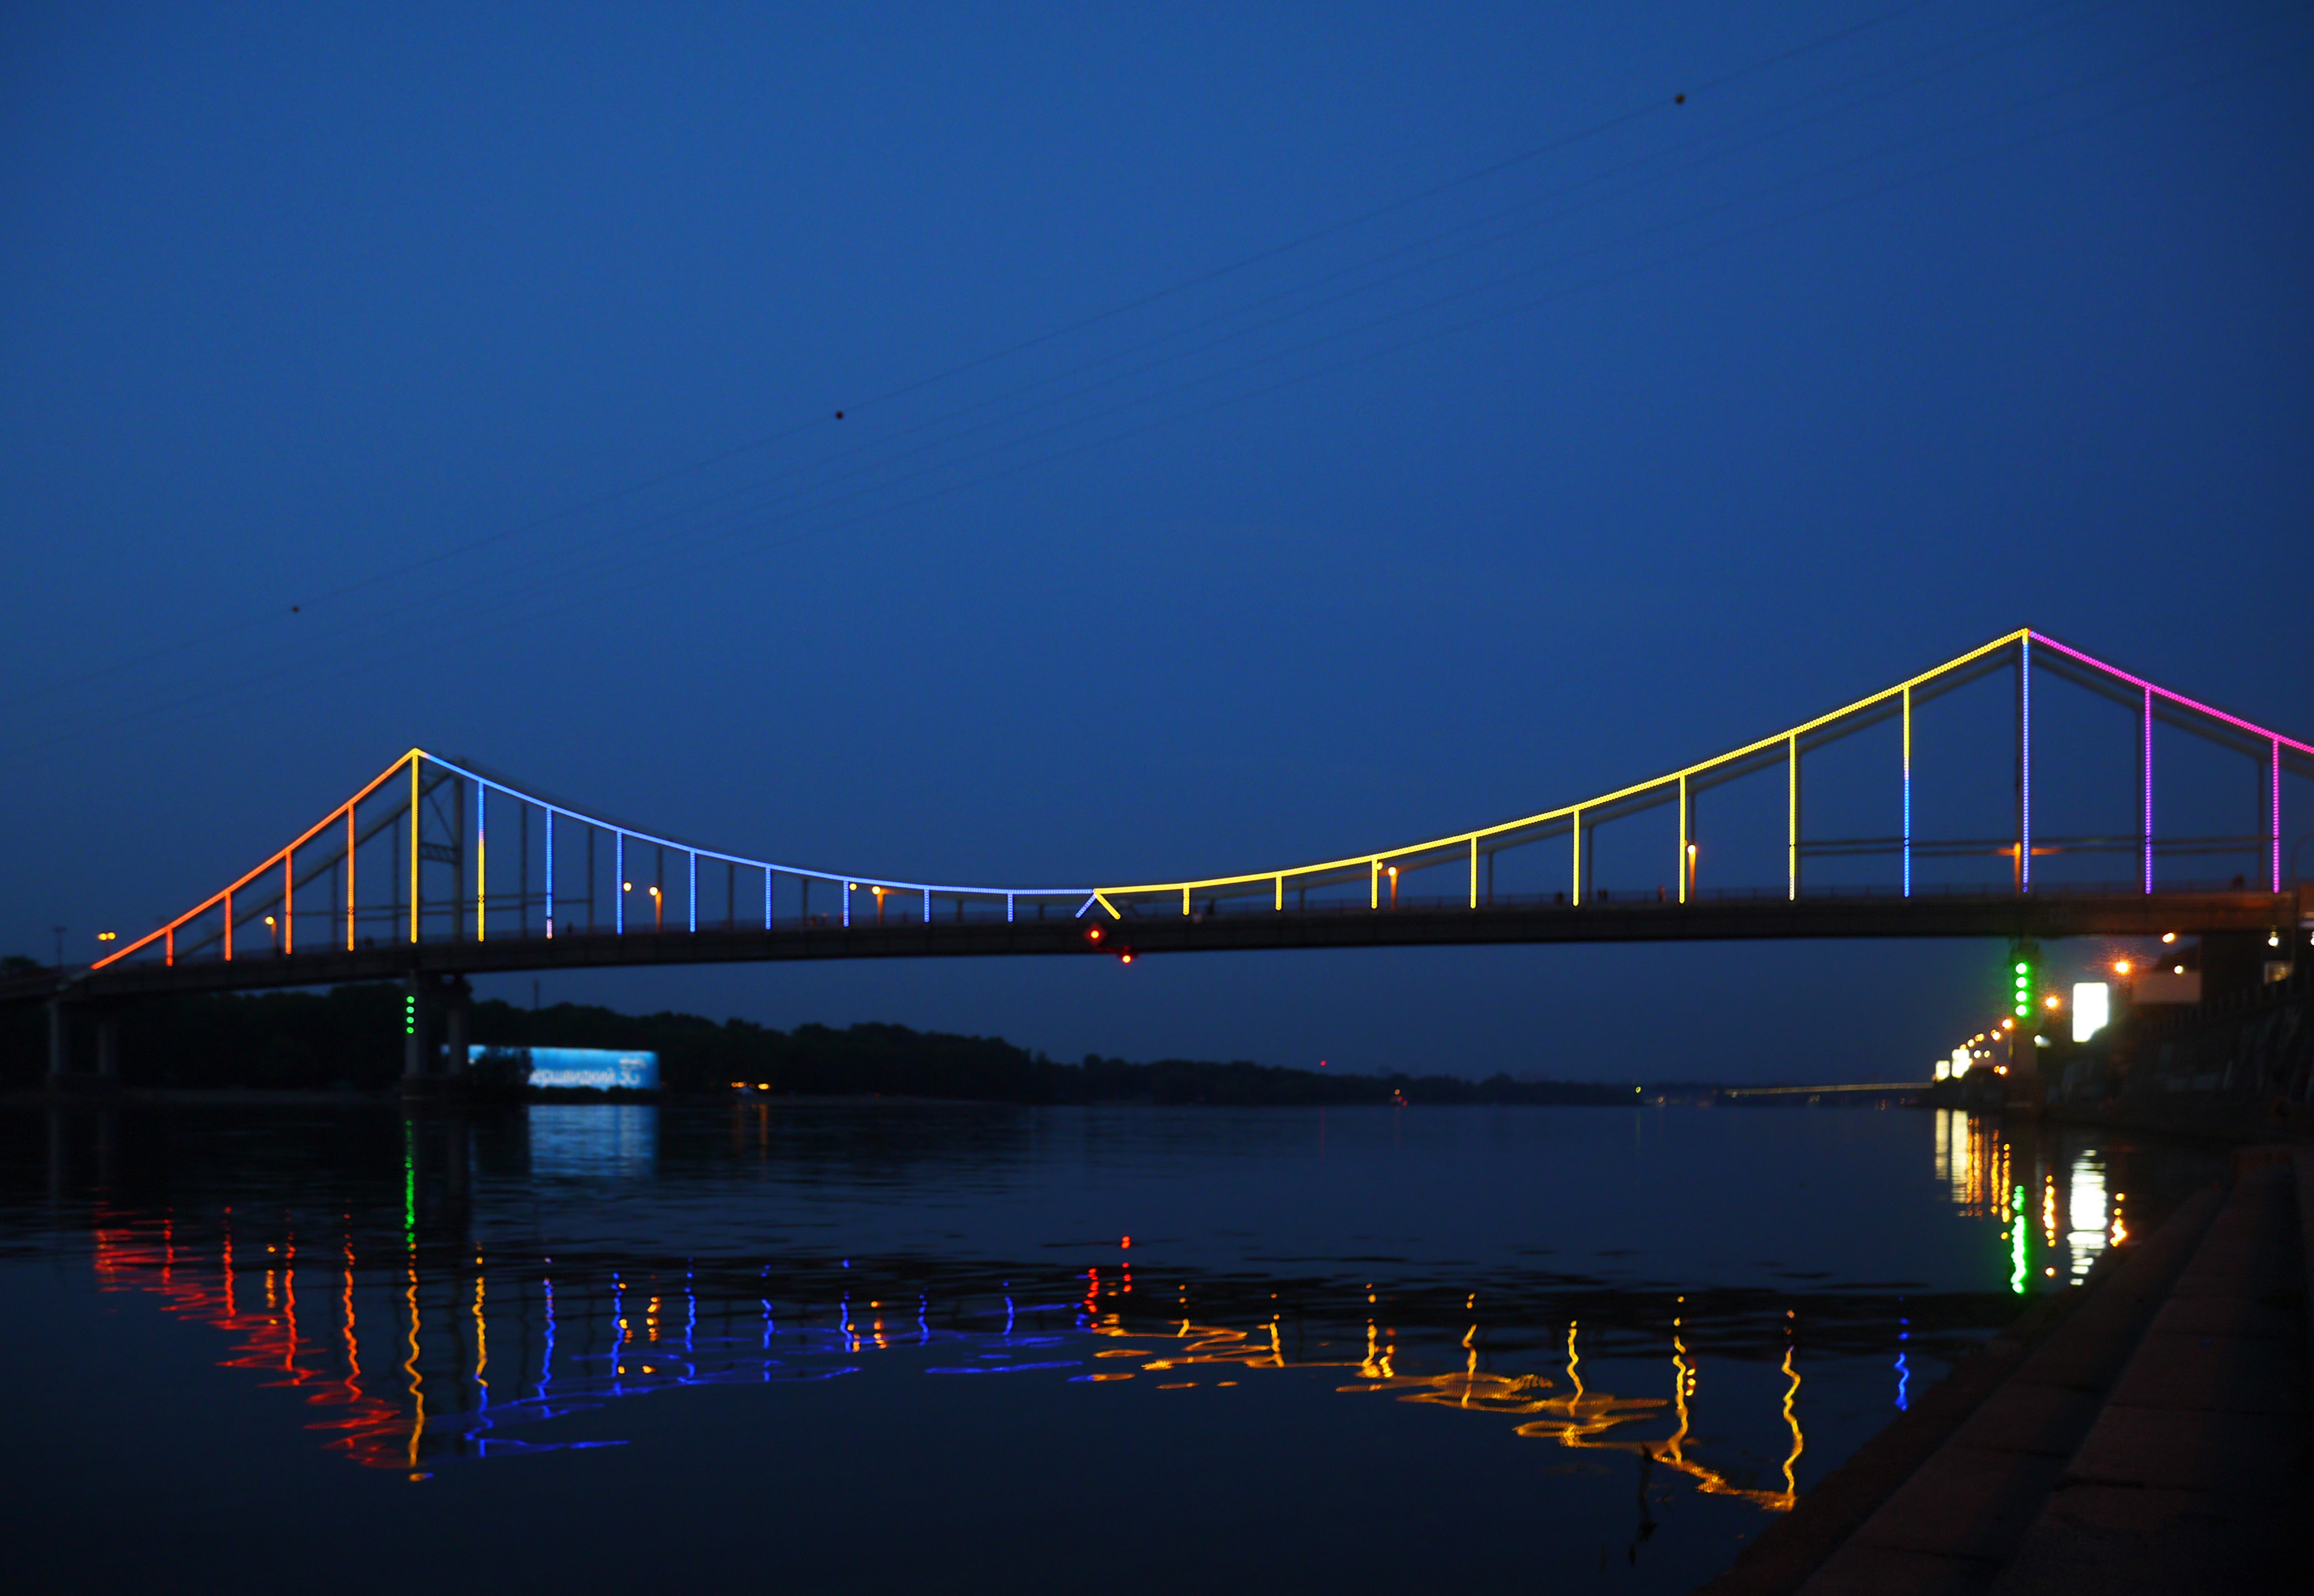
x: 430, y: 999
x: 62, y: 1076
x: 418, y: 1006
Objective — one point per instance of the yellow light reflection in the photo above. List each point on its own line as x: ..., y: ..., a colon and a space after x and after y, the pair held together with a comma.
x: 410, y: 1367
x: 1576, y: 1419
x: 481, y: 1341
x: 1792, y: 1418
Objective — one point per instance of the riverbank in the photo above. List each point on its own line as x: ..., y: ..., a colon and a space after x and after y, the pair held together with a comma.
x: 350, y: 1039
x: 2203, y: 1120
x: 2145, y: 1431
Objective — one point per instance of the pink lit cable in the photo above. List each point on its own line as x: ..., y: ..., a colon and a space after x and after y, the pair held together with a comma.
x: 2275, y: 739
x: 2177, y: 698
x: 2148, y: 748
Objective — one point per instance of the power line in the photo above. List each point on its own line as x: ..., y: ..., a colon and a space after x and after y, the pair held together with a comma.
x: 1605, y: 279
x: 428, y: 561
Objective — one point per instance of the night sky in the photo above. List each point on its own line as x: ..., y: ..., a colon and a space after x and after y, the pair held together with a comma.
x: 1268, y: 435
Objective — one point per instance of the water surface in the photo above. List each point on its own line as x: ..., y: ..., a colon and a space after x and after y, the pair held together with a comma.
x: 895, y: 1345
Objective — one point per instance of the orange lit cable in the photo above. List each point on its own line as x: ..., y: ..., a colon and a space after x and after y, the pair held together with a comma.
x: 206, y: 905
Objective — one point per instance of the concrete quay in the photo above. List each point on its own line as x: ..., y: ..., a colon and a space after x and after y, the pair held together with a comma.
x: 2149, y: 1432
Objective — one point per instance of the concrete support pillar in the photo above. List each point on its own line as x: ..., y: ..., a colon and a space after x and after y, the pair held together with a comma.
x: 107, y: 1045
x: 458, y: 1009
x: 418, y: 1005
x: 60, y: 1041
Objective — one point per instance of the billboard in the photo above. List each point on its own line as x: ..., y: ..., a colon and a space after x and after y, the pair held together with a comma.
x: 599, y: 1068
x: 2092, y: 1009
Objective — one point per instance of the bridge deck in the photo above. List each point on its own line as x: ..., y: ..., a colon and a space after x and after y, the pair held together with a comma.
x: 2042, y: 915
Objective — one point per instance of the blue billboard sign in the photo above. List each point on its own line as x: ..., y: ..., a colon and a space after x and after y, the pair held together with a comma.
x: 599, y: 1068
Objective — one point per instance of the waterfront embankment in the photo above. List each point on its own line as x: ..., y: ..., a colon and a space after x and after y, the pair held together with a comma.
x: 2146, y: 1431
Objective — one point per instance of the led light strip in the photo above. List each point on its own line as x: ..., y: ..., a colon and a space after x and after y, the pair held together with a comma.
x: 2023, y: 639
x: 1276, y: 878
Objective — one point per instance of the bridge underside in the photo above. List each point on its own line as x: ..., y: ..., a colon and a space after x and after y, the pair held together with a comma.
x: 2045, y: 916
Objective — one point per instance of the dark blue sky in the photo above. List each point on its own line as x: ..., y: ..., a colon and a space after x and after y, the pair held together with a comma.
x: 1541, y: 434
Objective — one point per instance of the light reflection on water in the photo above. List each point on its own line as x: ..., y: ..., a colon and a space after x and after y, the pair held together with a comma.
x: 592, y: 1140
x: 505, y: 1277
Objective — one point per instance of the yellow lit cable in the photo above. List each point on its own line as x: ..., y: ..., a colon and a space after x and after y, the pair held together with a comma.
x: 1569, y: 811
x: 1682, y: 837
x: 413, y: 846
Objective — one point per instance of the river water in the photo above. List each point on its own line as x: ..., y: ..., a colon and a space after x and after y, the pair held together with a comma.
x: 892, y: 1347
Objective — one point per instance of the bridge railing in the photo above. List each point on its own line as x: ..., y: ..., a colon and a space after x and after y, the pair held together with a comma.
x: 969, y: 912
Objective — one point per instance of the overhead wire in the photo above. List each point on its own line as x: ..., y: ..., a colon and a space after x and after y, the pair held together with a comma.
x: 825, y: 470
x: 880, y: 447
x: 1654, y: 106
x: 623, y: 558
x: 1365, y: 356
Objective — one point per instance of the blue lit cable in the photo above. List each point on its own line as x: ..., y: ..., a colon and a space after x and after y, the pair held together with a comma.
x: 759, y: 864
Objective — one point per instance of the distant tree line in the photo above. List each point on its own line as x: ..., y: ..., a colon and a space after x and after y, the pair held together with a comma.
x: 351, y: 1037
